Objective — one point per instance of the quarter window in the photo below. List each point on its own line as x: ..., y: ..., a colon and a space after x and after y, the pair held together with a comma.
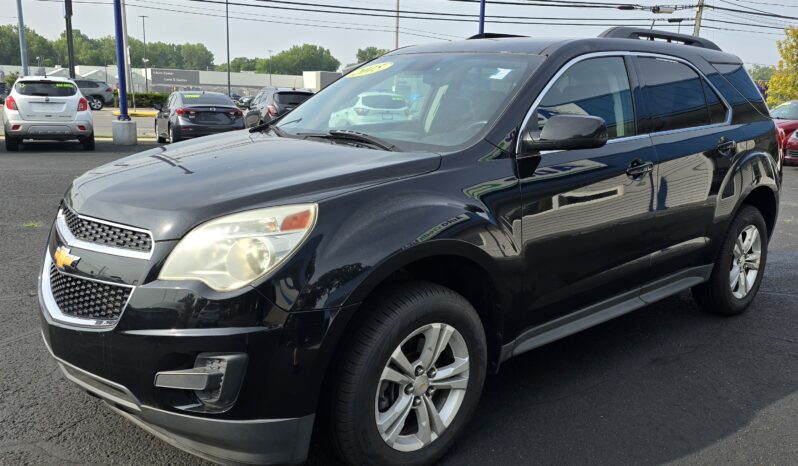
x: 597, y: 87
x: 674, y: 94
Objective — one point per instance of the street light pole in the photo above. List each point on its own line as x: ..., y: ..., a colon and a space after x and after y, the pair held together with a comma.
x: 227, y: 23
x: 23, y: 46
x: 482, y: 16
x: 70, y: 46
x: 144, y: 34
x: 270, y: 66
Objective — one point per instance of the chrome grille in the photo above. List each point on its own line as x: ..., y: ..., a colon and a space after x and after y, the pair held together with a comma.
x: 87, y: 299
x: 106, y: 234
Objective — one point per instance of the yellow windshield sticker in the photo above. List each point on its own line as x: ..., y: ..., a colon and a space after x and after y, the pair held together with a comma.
x: 66, y: 85
x: 191, y: 96
x: 370, y: 69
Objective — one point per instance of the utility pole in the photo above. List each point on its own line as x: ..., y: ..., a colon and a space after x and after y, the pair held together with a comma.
x: 227, y: 23
x: 23, y: 46
x: 396, y: 28
x: 120, y: 60
x: 144, y: 34
x: 70, y: 45
x: 482, y: 16
x: 698, y: 14
x: 126, y: 53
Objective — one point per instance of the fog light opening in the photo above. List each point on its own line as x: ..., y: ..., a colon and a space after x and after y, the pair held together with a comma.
x: 215, y: 380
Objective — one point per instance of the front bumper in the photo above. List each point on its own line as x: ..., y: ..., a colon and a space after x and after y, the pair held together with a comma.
x: 259, y: 441
x: 48, y: 130
x: 791, y: 156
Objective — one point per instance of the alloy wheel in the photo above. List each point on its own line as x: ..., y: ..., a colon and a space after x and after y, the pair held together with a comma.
x: 747, y: 256
x: 422, y: 387
x: 95, y: 103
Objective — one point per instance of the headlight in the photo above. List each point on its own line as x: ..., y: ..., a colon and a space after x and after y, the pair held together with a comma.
x: 233, y: 251
x: 794, y: 135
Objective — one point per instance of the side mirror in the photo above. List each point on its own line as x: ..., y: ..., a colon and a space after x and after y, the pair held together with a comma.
x: 568, y: 132
x: 157, y: 106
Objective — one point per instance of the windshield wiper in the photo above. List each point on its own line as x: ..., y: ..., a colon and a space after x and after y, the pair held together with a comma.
x: 272, y: 125
x: 359, y: 137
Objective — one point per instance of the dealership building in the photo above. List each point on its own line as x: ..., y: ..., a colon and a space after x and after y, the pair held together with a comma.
x: 165, y: 80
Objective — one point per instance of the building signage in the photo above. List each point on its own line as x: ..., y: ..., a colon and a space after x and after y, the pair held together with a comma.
x: 175, y: 77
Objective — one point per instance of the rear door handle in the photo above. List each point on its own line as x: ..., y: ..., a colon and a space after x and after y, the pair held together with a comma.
x: 726, y: 147
x: 638, y: 168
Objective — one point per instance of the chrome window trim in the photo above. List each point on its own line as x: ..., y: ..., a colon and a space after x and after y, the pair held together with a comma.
x: 50, y: 307
x: 72, y: 240
x: 588, y: 56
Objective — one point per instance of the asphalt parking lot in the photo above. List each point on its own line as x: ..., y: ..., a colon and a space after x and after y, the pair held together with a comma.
x: 666, y: 384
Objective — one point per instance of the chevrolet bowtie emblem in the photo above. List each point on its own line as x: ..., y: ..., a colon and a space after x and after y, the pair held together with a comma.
x: 64, y: 259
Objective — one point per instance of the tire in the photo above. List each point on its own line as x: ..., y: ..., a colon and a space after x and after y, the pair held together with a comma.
x: 360, y: 393
x: 95, y: 103
x: 173, y: 137
x: 722, y: 294
x: 87, y: 142
x: 161, y: 139
x: 12, y: 144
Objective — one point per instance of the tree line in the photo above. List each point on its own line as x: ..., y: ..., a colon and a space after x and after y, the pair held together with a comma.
x: 102, y: 51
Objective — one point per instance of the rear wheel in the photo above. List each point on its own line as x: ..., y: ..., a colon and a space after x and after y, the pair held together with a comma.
x: 12, y: 144
x: 173, y: 135
x: 95, y: 103
x: 409, y: 379
x: 740, y: 266
x: 87, y: 142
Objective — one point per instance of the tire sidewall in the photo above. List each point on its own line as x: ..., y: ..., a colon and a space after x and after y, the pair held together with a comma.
x: 747, y: 216
x: 434, y: 309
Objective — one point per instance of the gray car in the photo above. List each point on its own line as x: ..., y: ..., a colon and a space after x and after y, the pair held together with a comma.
x: 97, y: 93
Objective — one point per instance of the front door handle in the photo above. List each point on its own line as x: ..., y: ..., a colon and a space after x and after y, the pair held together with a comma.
x: 639, y: 168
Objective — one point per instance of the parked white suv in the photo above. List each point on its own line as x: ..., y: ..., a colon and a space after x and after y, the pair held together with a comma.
x: 46, y: 108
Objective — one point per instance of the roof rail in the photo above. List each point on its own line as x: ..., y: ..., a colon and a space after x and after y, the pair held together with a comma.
x: 622, y: 32
x: 492, y: 35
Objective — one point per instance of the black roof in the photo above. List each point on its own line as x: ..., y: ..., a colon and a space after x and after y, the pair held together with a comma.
x: 532, y: 46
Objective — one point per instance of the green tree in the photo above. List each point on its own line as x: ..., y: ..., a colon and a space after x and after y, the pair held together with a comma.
x: 305, y: 57
x: 761, y: 73
x: 10, y: 79
x: 783, y: 85
x: 370, y: 53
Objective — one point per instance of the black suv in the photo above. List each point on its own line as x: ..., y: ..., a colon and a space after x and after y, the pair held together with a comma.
x: 228, y: 294
x: 272, y: 102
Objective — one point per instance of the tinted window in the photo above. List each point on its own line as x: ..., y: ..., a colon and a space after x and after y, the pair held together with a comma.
x: 597, y: 87
x: 291, y: 98
x: 190, y: 98
x: 741, y: 81
x: 674, y: 94
x: 46, y: 88
x: 387, y: 101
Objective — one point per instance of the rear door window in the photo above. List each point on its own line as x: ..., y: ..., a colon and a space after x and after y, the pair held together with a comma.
x: 291, y: 98
x: 46, y: 88
x: 674, y: 93
x: 596, y: 87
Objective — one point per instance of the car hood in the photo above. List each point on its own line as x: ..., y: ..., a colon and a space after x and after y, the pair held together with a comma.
x: 169, y: 190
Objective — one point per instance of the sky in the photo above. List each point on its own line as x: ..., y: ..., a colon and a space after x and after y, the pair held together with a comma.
x: 256, y: 30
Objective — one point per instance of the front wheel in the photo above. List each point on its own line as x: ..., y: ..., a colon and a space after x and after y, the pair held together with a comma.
x: 410, y: 378
x: 740, y: 266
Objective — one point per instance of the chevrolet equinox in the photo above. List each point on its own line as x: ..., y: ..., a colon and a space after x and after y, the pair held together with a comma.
x: 355, y: 281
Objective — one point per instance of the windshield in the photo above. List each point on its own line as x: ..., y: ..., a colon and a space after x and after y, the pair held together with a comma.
x: 46, y: 88
x: 423, y: 102
x: 787, y: 111
x: 207, y: 99
x: 291, y: 98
